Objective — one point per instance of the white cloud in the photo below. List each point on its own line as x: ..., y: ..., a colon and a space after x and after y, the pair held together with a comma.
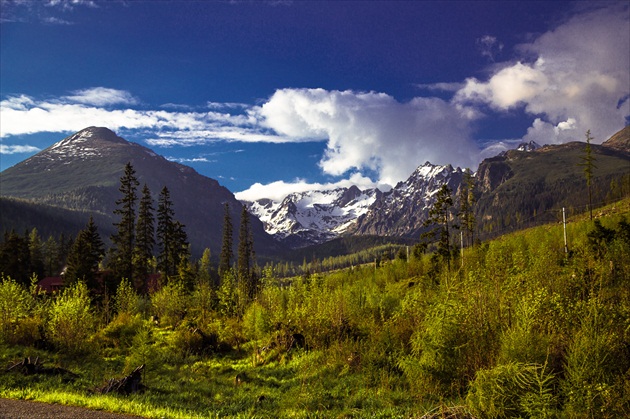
x: 372, y: 130
x: 489, y: 46
x: 70, y: 4
x: 17, y: 149
x: 278, y: 190
x: 26, y: 115
x: 190, y: 160
x: 102, y: 96
x: 576, y: 81
x: 441, y: 87
x: 56, y: 21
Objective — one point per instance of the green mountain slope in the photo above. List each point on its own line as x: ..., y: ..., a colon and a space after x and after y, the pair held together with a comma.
x: 82, y: 172
x: 519, y: 187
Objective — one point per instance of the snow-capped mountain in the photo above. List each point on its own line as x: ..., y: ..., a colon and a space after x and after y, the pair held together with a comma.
x: 313, y: 217
x: 401, y: 211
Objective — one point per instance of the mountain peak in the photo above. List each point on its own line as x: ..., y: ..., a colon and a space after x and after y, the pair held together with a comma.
x: 91, y: 134
x: 528, y: 146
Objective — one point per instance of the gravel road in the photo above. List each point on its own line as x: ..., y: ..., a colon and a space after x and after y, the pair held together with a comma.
x: 22, y: 409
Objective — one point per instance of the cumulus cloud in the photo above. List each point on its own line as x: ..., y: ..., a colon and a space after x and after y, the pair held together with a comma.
x: 372, y: 130
x: 18, y: 149
x: 572, y: 78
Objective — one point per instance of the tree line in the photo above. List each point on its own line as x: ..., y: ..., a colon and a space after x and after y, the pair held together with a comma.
x: 148, y: 242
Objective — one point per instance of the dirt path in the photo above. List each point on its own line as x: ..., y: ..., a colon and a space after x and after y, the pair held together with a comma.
x: 22, y: 409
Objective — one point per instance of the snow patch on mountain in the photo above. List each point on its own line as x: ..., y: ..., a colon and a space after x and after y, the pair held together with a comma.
x: 313, y: 217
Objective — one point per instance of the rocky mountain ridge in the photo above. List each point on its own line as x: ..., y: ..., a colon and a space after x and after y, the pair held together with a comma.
x: 314, y: 217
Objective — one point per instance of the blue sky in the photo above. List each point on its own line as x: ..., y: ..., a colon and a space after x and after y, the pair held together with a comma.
x: 270, y: 97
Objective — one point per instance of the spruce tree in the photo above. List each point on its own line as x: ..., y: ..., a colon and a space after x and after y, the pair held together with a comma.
x: 85, y: 255
x: 466, y: 213
x: 246, y: 275
x: 204, y: 272
x: 36, y: 253
x: 165, y: 233
x: 50, y: 251
x: 15, y: 257
x: 171, y: 236
x: 145, y: 239
x: 588, y: 162
x: 225, y: 260
x: 124, y: 239
x: 439, y: 216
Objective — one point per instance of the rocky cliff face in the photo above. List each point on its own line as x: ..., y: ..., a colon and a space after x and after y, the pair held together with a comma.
x: 620, y: 141
x: 402, y: 211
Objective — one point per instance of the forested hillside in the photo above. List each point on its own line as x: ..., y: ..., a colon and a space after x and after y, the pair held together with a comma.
x: 520, y: 326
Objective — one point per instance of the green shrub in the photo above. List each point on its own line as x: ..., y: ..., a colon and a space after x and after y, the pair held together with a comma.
x: 256, y: 321
x: 597, y: 364
x: 119, y: 333
x: 16, y: 305
x: 513, y: 390
x: 71, y: 319
x: 127, y: 299
x: 170, y: 303
x: 186, y: 341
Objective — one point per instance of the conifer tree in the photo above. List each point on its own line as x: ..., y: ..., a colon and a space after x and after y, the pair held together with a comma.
x: 439, y: 216
x: 51, y: 251
x: 124, y: 239
x: 165, y: 233
x: 85, y: 255
x: 204, y: 274
x: 246, y: 275
x: 225, y: 260
x: 466, y: 213
x: 171, y: 236
x: 588, y: 162
x: 36, y: 254
x: 15, y: 257
x: 145, y: 239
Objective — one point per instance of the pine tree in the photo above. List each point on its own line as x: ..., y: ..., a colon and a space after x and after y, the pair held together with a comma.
x: 181, y: 247
x: 204, y: 274
x: 50, y: 251
x: 439, y: 216
x: 37, y: 256
x: 15, y: 257
x: 85, y: 255
x: 246, y: 275
x: 588, y: 162
x: 225, y: 260
x: 171, y: 235
x: 123, y: 240
x: 165, y: 233
x: 145, y: 239
x: 466, y: 213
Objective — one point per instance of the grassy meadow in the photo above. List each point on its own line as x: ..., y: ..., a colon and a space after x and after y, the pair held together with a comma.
x: 515, y: 327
